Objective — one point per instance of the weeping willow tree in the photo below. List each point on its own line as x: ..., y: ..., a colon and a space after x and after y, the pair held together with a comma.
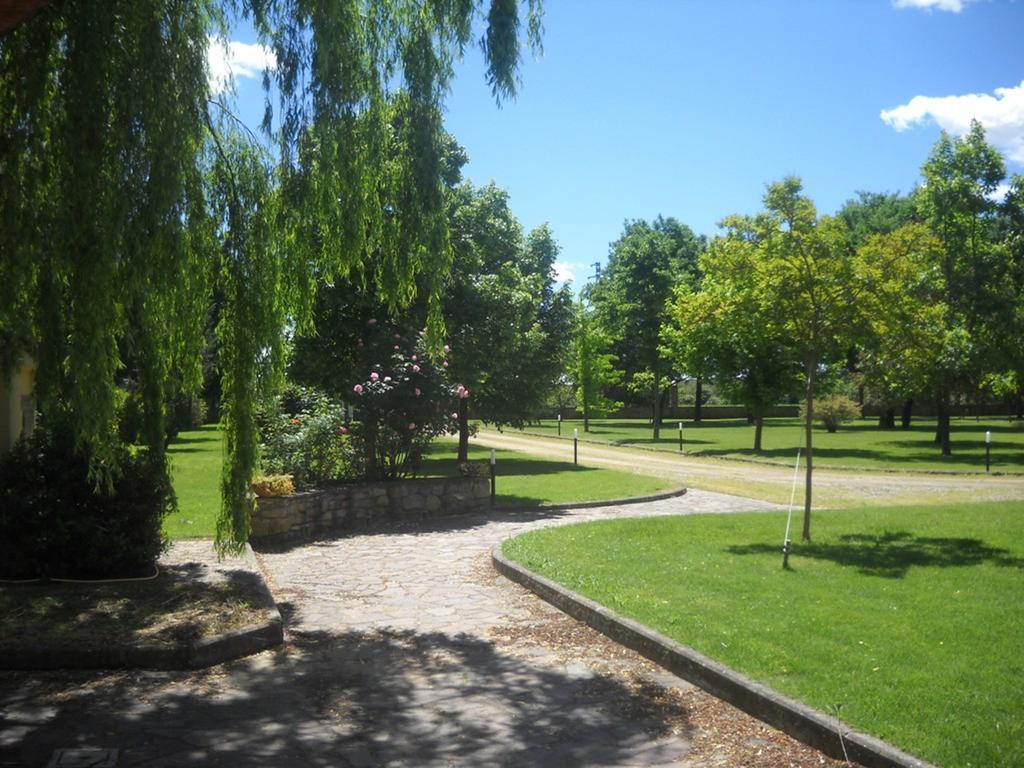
x: 126, y: 202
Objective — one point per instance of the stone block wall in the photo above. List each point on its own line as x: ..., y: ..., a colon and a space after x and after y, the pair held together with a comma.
x: 304, y: 515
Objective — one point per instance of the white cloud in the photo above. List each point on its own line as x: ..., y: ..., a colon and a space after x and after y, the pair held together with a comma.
x: 955, y: 6
x: 998, y: 194
x: 563, y: 272
x: 227, y: 60
x: 1001, y: 114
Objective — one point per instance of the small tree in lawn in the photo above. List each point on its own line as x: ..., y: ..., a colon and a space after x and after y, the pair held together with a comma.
x: 806, y: 278
x: 725, y: 331
x: 593, y: 370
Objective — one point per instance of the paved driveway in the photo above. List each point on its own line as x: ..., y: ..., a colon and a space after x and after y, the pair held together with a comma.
x: 405, y: 649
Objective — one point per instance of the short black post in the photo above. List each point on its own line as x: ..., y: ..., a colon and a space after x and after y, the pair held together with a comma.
x: 680, y: 437
x: 988, y: 450
x: 559, y: 425
x: 494, y: 464
x: 575, y: 445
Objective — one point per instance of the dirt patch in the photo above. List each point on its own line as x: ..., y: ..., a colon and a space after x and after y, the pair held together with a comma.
x: 719, y: 734
x: 192, y: 597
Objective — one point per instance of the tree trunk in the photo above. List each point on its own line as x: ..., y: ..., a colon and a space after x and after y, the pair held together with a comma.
x: 943, y: 430
x: 860, y: 395
x: 586, y: 415
x: 810, y: 374
x: 656, y: 396
x: 1020, y: 405
x: 463, y: 430
x: 698, y: 397
x: 908, y: 408
x: 758, y: 427
x: 887, y: 418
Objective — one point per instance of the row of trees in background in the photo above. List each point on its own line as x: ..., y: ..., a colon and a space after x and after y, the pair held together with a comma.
x: 911, y: 297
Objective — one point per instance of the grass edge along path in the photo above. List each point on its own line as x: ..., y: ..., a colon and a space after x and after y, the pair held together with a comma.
x: 903, y: 622
x: 523, y: 480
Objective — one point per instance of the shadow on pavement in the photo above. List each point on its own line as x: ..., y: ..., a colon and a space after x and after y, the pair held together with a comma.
x: 357, y: 699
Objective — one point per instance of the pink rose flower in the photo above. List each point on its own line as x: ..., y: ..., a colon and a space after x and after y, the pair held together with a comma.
x: 358, y: 389
x: 455, y: 415
x: 464, y: 394
x: 397, y: 347
x: 414, y: 358
x: 387, y: 379
x: 447, y: 349
x: 415, y: 369
x: 445, y: 363
x: 412, y: 425
x: 374, y: 376
x: 418, y: 393
x: 343, y: 430
x: 372, y: 321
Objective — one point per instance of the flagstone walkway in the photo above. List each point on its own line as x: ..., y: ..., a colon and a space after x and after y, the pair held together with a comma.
x: 406, y: 649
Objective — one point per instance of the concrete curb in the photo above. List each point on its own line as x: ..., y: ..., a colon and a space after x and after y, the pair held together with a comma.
x: 820, y: 731
x: 608, y: 502
x: 194, y: 654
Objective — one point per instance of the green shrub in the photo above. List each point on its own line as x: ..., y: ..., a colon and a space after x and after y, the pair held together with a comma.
x: 307, y: 438
x: 55, y: 523
x: 833, y: 410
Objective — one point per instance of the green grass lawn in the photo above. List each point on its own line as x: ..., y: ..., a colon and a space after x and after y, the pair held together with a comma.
x: 907, y: 623
x: 523, y: 480
x: 860, y: 444
x: 195, y: 458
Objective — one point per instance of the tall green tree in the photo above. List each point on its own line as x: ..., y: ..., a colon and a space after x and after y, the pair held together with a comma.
x: 726, y: 332
x: 508, y: 325
x: 592, y: 366
x: 631, y: 298
x: 807, y: 280
x: 956, y: 201
x: 105, y: 121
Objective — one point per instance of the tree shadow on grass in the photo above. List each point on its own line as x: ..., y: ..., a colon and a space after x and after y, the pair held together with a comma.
x: 893, y: 553
x: 357, y: 698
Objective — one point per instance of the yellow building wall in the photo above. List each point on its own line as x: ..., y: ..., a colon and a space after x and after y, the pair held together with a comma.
x: 17, y: 406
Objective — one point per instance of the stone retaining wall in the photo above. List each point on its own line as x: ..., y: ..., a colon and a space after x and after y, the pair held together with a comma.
x: 285, y: 519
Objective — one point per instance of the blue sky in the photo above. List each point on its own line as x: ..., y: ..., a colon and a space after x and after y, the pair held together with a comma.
x: 687, y: 109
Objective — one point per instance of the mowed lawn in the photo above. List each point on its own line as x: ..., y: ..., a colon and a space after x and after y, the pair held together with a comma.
x: 907, y: 623
x: 860, y: 444
x: 196, y: 456
x: 523, y: 480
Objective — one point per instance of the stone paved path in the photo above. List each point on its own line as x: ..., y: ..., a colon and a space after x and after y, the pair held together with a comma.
x: 405, y: 649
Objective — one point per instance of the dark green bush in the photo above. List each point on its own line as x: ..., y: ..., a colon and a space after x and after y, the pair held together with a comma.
x: 55, y: 523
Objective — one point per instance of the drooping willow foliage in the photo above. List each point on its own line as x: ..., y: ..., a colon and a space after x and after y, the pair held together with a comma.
x: 128, y: 202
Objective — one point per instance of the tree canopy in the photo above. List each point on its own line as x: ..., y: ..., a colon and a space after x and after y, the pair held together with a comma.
x: 120, y: 185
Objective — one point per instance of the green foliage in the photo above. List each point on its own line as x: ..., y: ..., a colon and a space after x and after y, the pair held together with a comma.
x: 508, y: 325
x: 54, y: 523
x: 833, y: 410
x: 593, y: 370
x: 110, y: 221
x: 632, y: 294
x: 306, y: 438
x: 725, y: 331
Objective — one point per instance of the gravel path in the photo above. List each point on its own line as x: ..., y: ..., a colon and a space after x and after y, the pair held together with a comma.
x: 844, y: 487
x: 406, y: 649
